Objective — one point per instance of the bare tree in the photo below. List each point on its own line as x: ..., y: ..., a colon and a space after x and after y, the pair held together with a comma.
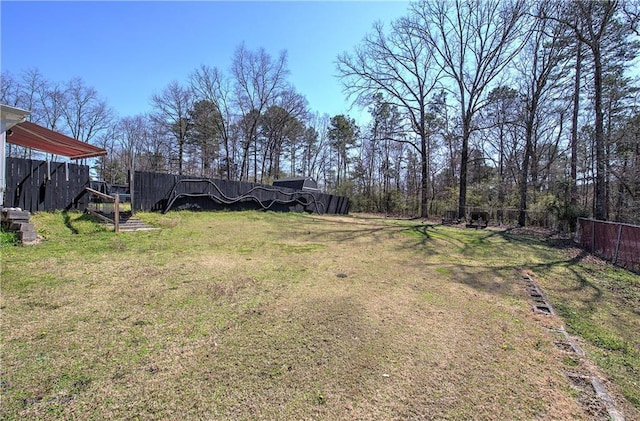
x: 502, y: 118
x: 85, y: 113
x: 52, y: 104
x: 9, y: 89
x: 133, y: 134
x: 154, y: 149
x: 258, y: 80
x: 541, y: 57
x: 23, y: 92
x: 211, y: 85
x: 171, y: 112
x: 574, y: 126
x: 281, y: 126
x: 590, y: 21
x: 315, y: 146
x: 32, y: 86
x: 401, y: 67
x: 109, y: 168
x: 473, y: 42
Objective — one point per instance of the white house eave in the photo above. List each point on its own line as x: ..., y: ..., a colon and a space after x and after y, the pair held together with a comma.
x: 10, y: 116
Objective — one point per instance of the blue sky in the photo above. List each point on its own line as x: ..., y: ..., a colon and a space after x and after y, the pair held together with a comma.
x: 130, y: 50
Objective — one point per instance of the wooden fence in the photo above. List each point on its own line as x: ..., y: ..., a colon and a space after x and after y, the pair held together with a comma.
x: 163, y: 192
x: 45, y: 186
x: 613, y: 241
x: 39, y: 186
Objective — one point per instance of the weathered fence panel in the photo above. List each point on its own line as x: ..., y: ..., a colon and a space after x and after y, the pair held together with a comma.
x: 616, y: 242
x: 39, y: 186
x: 160, y: 192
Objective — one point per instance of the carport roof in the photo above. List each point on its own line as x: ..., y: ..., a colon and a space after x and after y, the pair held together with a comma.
x: 33, y: 136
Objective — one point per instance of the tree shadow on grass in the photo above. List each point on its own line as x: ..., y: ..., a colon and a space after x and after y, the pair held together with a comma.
x: 485, y: 247
x: 573, y: 264
x: 353, y: 233
x: 68, y: 222
x: 485, y: 250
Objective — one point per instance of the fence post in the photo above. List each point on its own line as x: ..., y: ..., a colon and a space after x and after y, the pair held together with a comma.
x: 116, y: 213
x: 593, y: 235
x: 132, y: 173
x: 579, y: 234
x: 615, y: 258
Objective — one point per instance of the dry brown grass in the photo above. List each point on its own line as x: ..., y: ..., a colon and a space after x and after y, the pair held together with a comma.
x: 276, y: 316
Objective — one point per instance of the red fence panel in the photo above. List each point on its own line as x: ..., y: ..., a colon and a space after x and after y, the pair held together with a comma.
x: 628, y: 254
x: 616, y: 242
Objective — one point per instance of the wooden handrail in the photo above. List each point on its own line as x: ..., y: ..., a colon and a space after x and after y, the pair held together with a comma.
x: 116, y: 206
x: 100, y: 194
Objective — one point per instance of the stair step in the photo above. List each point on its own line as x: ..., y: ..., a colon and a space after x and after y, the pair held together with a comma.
x: 27, y: 236
x: 128, y: 223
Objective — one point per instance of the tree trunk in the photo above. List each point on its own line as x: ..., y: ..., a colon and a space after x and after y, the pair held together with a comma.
x: 464, y: 157
x: 255, y: 160
x: 244, y: 168
x: 180, y: 154
x: 227, y: 158
x: 574, y: 128
x: 501, y: 192
x: 425, y: 176
x: 522, y: 216
x: 600, y: 188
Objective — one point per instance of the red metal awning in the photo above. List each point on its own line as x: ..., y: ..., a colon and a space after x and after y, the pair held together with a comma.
x: 33, y: 136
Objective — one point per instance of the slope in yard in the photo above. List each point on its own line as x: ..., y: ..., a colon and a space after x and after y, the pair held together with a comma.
x: 287, y: 316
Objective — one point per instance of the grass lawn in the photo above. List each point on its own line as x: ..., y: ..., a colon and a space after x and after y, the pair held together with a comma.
x: 261, y: 315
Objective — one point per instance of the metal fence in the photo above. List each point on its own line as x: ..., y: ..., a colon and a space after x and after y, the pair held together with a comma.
x: 619, y: 243
x: 508, y: 216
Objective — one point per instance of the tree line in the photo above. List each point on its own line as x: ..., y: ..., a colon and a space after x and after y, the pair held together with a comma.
x: 509, y: 105
x: 247, y: 124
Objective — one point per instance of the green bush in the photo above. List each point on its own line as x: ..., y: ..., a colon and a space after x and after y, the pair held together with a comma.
x: 569, y: 215
x: 8, y: 239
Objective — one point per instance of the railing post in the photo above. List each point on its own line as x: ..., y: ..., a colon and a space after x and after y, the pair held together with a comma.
x: 132, y: 174
x: 615, y: 258
x: 116, y: 213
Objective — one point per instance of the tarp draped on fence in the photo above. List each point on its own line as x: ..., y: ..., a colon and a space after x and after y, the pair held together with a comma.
x: 616, y: 242
x: 163, y: 192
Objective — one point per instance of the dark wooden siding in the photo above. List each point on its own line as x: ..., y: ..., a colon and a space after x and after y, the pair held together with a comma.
x: 45, y: 186
x: 154, y: 192
x: 39, y: 186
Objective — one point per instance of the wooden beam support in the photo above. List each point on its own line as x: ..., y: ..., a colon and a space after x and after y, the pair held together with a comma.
x: 100, y: 194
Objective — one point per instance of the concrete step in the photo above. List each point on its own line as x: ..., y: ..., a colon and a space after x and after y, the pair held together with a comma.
x: 132, y: 224
x: 17, y: 220
x: 22, y: 226
x: 15, y: 214
x: 27, y: 236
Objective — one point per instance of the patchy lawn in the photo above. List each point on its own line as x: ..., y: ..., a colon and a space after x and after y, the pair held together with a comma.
x: 288, y: 316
